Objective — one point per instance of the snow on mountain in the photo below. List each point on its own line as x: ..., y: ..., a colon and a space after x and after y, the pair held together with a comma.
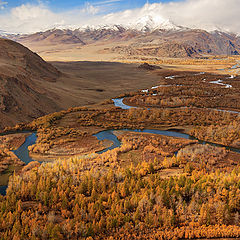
x: 112, y: 27
x: 145, y: 24
x: 151, y: 22
x: 147, y: 19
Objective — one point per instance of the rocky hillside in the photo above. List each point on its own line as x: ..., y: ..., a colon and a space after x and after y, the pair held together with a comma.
x: 22, y: 77
x: 55, y: 36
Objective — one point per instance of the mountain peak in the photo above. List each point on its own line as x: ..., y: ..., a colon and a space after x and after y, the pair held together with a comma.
x: 153, y: 22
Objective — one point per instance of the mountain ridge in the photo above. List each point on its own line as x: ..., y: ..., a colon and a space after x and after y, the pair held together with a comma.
x: 174, y: 42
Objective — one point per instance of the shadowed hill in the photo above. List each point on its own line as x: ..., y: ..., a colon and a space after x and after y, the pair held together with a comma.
x: 22, y: 76
x: 31, y: 87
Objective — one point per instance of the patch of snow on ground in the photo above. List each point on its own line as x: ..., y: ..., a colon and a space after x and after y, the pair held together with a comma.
x: 219, y: 82
x: 201, y: 73
x: 161, y: 86
x: 170, y: 77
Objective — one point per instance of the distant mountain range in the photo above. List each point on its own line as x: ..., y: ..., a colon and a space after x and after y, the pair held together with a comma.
x: 145, y: 38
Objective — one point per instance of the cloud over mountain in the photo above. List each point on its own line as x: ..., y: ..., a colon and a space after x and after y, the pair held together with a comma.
x: 205, y: 14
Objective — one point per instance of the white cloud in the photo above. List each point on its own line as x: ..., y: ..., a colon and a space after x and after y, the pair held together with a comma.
x: 28, y: 12
x: 90, y: 9
x: 29, y: 18
x: 206, y: 14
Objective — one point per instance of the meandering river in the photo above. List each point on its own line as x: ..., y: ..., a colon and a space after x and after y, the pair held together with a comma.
x: 23, y: 153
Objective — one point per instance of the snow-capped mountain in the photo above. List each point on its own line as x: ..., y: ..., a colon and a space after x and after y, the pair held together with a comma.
x: 146, y: 23
x: 151, y: 23
x: 149, y: 35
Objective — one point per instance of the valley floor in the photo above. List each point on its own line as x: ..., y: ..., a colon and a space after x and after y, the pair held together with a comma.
x: 104, y: 52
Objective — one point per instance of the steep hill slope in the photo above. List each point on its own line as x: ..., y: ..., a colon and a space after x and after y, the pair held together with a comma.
x: 22, y: 76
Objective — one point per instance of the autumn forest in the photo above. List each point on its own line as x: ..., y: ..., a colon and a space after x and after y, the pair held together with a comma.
x: 157, y: 163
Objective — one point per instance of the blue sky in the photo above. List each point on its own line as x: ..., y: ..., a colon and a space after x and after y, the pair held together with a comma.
x: 62, y: 5
x: 117, y: 5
